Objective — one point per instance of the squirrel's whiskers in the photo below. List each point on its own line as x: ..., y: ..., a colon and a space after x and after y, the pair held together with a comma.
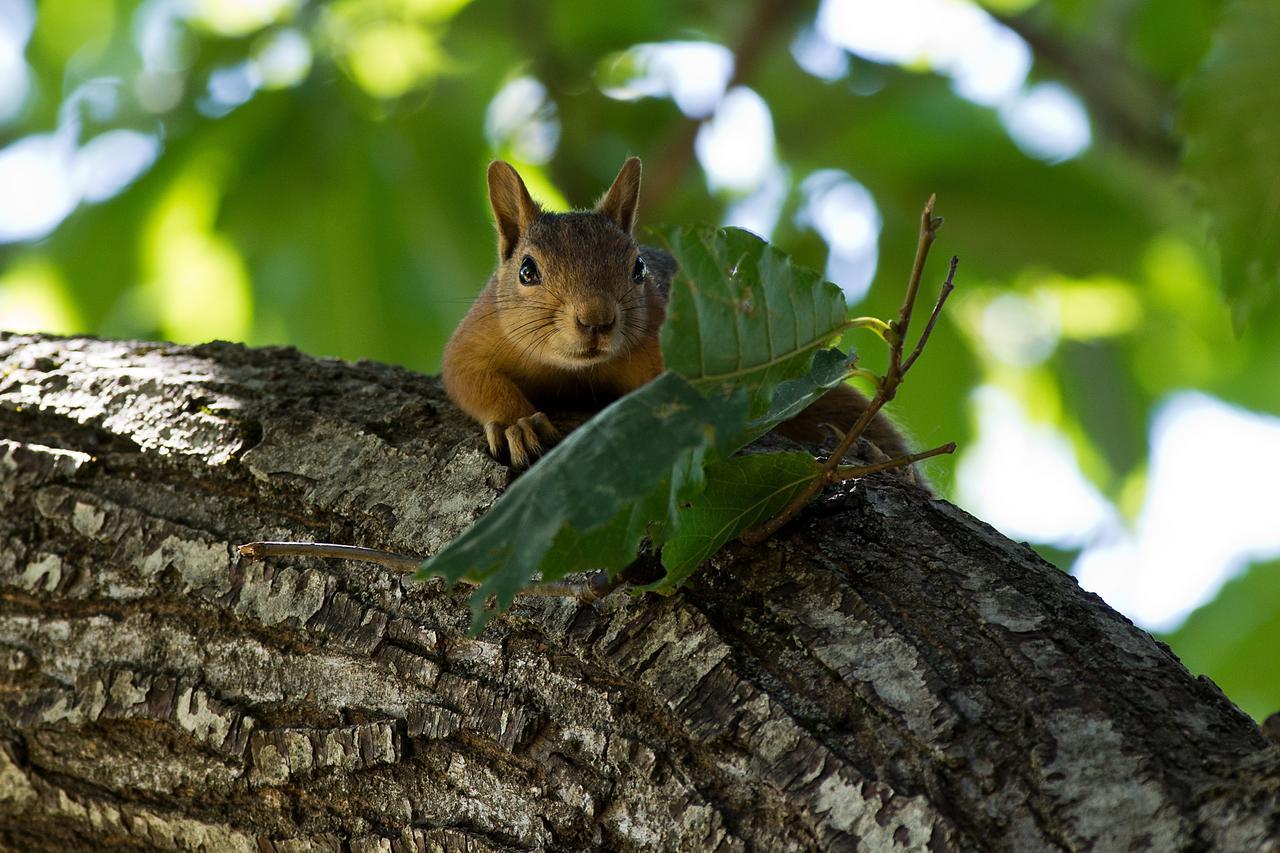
x: 570, y: 316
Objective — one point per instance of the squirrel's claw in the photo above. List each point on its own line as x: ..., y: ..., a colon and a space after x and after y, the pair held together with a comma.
x: 521, y: 442
x: 493, y: 434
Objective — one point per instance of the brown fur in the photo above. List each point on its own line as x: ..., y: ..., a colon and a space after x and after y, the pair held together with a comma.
x: 587, y: 334
x: 839, y: 408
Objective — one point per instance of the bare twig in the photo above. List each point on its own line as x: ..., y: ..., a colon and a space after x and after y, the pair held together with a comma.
x: 853, y: 472
x: 325, y: 550
x: 886, y: 387
x: 929, y: 225
x: 595, y: 586
x: 947, y: 287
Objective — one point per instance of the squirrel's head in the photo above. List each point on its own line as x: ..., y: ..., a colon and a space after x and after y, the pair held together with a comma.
x: 573, y: 288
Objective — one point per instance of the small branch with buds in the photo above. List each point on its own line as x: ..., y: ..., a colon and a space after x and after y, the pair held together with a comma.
x: 895, y: 334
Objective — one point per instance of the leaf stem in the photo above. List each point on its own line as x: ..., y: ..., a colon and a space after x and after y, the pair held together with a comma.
x: 882, y: 329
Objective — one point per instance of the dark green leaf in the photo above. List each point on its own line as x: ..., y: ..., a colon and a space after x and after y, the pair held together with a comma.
x: 700, y: 512
x: 829, y: 369
x: 740, y: 493
x: 623, y: 456
x: 614, y: 544
x: 741, y: 315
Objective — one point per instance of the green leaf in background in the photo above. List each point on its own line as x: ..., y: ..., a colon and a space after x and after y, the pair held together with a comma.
x: 1231, y: 640
x: 741, y: 492
x: 620, y: 458
x: 1232, y: 124
x: 742, y: 315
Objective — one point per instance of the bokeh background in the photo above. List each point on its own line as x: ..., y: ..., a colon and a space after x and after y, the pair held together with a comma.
x: 311, y: 173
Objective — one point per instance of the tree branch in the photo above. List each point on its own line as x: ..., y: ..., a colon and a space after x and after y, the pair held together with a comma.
x: 854, y: 472
x: 888, y: 673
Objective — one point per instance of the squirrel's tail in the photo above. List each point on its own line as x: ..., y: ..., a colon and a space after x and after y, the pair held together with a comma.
x: 839, y: 408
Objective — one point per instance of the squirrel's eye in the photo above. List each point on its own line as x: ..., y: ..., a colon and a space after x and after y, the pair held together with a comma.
x: 638, y: 271
x: 529, y: 272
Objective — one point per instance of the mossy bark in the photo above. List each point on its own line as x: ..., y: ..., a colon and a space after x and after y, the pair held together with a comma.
x: 886, y: 673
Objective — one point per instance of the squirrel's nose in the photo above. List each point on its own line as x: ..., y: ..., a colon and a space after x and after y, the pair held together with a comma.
x: 593, y: 323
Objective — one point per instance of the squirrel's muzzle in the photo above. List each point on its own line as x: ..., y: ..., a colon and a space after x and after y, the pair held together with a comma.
x: 596, y: 319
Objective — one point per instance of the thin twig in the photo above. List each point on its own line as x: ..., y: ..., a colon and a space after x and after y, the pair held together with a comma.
x: 853, y: 472
x: 886, y: 387
x: 947, y: 287
x: 595, y: 586
x: 928, y: 230
x: 399, y: 562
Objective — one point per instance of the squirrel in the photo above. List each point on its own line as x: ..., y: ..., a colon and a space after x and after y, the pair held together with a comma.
x: 571, y: 317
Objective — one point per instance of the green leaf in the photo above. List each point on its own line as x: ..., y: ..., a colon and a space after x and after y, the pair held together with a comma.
x: 741, y: 492
x: 742, y: 315
x: 1232, y: 124
x: 633, y: 456
x: 615, y: 543
x: 830, y: 367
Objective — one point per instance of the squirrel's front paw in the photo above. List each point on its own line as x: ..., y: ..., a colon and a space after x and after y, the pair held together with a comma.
x: 521, y: 442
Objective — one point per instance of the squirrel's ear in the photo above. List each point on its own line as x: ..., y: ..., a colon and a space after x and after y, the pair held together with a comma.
x: 513, y: 208
x: 623, y: 198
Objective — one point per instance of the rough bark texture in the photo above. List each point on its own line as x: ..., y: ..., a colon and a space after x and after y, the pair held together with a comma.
x: 887, y: 673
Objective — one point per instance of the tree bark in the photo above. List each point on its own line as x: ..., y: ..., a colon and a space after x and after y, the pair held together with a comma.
x: 886, y: 673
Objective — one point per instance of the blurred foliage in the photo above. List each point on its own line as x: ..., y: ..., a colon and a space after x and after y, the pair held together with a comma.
x: 1233, y: 135
x: 320, y: 183
x: 1221, y: 640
